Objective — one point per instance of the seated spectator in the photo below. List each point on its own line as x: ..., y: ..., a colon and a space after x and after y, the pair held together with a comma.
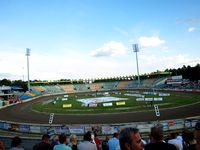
x: 156, y: 140
x: 16, y: 143
x: 44, y: 144
x: 129, y: 139
x: 2, y: 147
x: 87, y: 143
x: 62, y: 143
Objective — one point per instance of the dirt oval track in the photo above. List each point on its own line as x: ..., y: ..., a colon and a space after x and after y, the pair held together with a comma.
x: 22, y: 113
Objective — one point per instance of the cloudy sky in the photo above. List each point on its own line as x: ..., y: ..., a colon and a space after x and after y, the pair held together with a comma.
x: 75, y: 39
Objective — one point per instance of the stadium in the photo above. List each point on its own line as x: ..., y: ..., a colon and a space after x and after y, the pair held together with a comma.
x: 74, y: 67
x: 110, y: 106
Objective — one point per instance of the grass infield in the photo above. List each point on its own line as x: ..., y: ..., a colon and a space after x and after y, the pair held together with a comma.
x: 175, y: 99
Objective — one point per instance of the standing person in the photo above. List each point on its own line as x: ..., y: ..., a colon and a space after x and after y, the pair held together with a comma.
x: 44, y: 144
x: 156, y: 140
x: 129, y: 139
x: 196, y: 144
x: 175, y: 141
x: 188, y: 139
x: 97, y: 141
x: 73, y: 142
x: 16, y: 143
x: 55, y: 140
x: 87, y: 143
x: 113, y: 143
x: 62, y: 143
x: 104, y: 143
x: 197, y: 135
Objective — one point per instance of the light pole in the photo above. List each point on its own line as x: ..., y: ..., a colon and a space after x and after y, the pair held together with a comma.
x: 136, y: 49
x: 28, y: 54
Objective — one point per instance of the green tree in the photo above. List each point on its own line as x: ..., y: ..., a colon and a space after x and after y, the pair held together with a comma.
x: 5, y: 82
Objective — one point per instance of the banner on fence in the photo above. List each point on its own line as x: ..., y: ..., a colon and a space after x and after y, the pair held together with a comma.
x: 76, y: 130
x: 145, y: 127
x: 62, y: 129
x: 109, y: 129
x: 35, y: 129
x: 24, y: 128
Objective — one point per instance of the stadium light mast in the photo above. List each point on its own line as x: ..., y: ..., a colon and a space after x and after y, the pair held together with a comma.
x: 28, y: 54
x: 136, y: 49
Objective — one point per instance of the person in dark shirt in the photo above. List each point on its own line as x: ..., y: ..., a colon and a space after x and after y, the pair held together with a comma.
x: 104, y: 143
x: 197, y: 135
x: 156, y: 140
x: 194, y: 138
x: 55, y: 140
x: 44, y: 144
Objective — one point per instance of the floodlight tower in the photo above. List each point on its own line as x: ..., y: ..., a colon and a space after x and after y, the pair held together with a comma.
x: 136, y: 49
x: 28, y: 54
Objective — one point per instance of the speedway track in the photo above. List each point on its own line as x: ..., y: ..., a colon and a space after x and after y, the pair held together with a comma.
x: 22, y: 113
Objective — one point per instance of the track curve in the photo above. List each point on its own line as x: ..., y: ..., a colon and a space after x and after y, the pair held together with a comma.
x: 22, y: 113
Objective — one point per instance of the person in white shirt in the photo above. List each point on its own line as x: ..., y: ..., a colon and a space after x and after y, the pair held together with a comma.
x: 87, y: 143
x: 176, y: 140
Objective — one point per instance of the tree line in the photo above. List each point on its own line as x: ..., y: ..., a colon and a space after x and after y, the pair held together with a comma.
x: 188, y: 72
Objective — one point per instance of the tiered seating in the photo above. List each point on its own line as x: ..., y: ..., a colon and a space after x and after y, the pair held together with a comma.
x: 53, y: 89
x: 30, y: 94
x: 68, y: 88
x: 81, y: 87
x: 36, y: 92
x: 123, y: 84
x: 109, y: 85
x: 133, y: 84
x: 160, y: 81
x: 95, y: 86
x: 147, y: 82
x: 38, y: 88
x: 73, y: 88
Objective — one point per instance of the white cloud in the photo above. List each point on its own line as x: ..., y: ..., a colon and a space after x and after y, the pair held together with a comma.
x: 12, y: 64
x: 78, y: 65
x: 165, y: 49
x: 153, y: 62
x: 150, y: 41
x: 111, y: 48
x: 191, y: 29
x: 74, y: 65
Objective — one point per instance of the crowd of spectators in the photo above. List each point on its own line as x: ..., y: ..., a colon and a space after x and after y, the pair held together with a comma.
x: 127, y: 139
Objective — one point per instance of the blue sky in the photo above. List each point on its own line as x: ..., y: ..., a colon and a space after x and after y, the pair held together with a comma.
x: 93, y: 38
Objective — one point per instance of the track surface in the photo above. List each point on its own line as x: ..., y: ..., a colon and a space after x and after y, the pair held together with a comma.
x: 22, y: 113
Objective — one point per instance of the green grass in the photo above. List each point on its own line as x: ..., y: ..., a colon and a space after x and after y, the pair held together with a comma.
x: 175, y: 99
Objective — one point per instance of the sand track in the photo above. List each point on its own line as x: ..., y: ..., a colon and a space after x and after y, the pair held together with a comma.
x: 22, y: 113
